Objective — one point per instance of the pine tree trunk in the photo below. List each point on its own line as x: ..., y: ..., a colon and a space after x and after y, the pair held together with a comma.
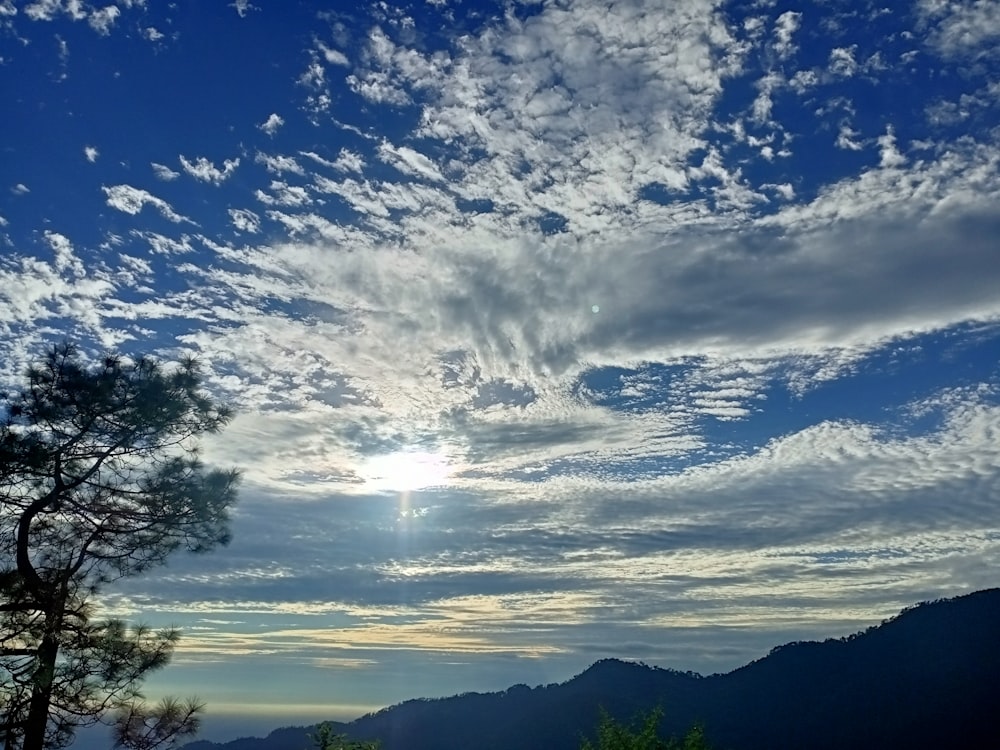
x: 41, y: 694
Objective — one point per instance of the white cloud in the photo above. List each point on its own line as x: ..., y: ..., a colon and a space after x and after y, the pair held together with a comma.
x: 784, y: 28
x: 332, y: 56
x: 847, y: 138
x: 244, y: 220
x: 135, y: 270
x: 964, y: 28
x: 242, y: 7
x: 376, y: 87
x: 272, y: 124
x: 66, y: 259
x: 408, y: 161
x: 63, y: 47
x: 803, y: 80
x: 20, y: 189
x: 164, y: 172
x: 91, y: 153
x: 46, y: 10
x: 204, y: 170
x: 102, y: 20
x: 314, y: 76
x: 522, y: 315
x: 309, y: 225
x: 632, y: 119
x: 161, y: 244
x: 279, y: 164
x: 377, y: 80
x: 962, y: 180
x: 346, y: 161
x: 761, y: 108
x: 34, y: 293
x: 313, y: 79
x: 131, y: 200
x: 889, y: 155
x: 283, y: 194
x: 785, y: 190
x: 842, y: 63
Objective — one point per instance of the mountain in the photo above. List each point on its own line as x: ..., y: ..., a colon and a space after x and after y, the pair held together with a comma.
x: 927, y: 678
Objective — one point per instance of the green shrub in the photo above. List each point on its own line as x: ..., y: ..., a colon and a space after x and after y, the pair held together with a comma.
x: 613, y: 735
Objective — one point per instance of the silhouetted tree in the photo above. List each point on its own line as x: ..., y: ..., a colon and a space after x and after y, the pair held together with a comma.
x: 99, y: 479
x: 141, y: 727
x: 613, y: 735
x: 326, y: 739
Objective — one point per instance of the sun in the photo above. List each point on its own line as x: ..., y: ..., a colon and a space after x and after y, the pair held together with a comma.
x: 405, y: 471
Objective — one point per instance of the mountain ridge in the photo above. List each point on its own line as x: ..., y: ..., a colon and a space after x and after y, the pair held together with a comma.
x: 925, y: 678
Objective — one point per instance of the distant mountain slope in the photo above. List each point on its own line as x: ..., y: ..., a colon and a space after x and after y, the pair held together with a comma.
x: 927, y: 678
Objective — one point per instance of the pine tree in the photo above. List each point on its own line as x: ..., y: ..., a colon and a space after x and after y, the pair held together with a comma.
x: 100, y: 479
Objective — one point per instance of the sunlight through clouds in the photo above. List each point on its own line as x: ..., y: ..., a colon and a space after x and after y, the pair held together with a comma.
x: 405, y: 471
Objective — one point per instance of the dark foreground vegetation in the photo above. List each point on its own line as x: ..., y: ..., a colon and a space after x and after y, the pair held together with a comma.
x: 99, y: 480
x: 644, y: 734
x: 928, y: 678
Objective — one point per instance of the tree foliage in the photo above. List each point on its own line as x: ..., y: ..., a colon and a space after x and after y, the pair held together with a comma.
x: 141, y: 727
x: 326, y: 739
x: 100, y: 479
x: 613, y: 735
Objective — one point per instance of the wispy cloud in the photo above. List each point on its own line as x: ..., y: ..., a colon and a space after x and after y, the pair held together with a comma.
x: 242, y: 7
x: 131, y: 200
x: 164, y: 172
x: 279, y: 164
x: 103, y: 19
x: 963, y: 29
x: 784, y: 30
x: 245, y: 220
x: 272, y: 124
x: 204, y: 170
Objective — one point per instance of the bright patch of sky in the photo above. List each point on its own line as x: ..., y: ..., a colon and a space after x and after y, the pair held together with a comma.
x: 550, y: 325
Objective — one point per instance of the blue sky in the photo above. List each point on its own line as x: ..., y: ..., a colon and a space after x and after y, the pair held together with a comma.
x: 557, y: 330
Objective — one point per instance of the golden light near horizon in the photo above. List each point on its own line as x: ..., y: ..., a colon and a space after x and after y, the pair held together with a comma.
x: 405, y: 471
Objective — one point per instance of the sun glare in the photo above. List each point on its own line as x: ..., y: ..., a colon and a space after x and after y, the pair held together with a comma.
x: 405, y: 471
